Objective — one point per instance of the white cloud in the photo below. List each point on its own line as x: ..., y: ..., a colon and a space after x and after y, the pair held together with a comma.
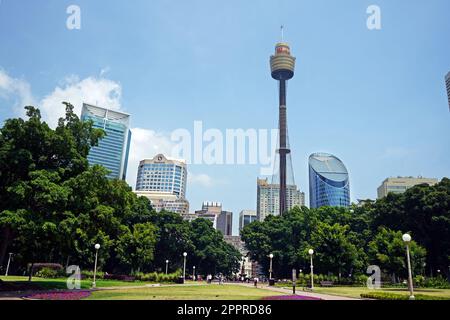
x: 104, y: 71
x: 205, y: 181
x: 200, y: 179
x: 17, y: 90
x: 92, y: 90
x: 99, y: 91
x: 145, y: 144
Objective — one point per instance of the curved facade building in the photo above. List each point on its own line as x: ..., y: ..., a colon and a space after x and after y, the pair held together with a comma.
x: 328, y: 181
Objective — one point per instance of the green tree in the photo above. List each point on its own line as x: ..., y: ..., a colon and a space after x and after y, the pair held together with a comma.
x: 211, y: 253
x: 334, y: 250
x: 289, y: 237
x: 34, y: 161
x: 173, y: 238
x: 387, y: 250
x: 135, y: 249
x: 423, y: 210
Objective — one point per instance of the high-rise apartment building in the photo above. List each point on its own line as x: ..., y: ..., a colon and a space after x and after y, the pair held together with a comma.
x: 328, y: 181
x: 268, y: 195
x: 163, y: 181
x: 246, y: 217
x: 401, y: 184
x: 112, y: 151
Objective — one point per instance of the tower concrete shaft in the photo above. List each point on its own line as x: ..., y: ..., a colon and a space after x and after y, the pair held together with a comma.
x: 283, y: 151
x: 282, y: 66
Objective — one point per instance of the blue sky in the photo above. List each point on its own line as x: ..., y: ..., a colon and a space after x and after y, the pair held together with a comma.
x: 376, y: 99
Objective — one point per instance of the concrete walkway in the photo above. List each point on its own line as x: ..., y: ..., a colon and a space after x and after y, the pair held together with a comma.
x: 300, y: 293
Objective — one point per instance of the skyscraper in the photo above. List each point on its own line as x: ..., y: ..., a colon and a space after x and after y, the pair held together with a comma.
x: 401, y: 184
x: 328, y: 181
x: 225, y: 223
x: 163, y: 181
x: 282, y: 66
x: 246, y: 217
x: 112, y: 151
x: 268, y: 197
x: 447, y: 83
x: 162, y: 174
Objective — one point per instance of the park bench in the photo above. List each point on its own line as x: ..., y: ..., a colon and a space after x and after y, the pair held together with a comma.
x: 326, y: 283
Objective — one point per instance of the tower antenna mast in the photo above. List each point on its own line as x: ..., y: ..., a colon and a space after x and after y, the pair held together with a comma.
x: 282, y: 33
x: 282, y: 65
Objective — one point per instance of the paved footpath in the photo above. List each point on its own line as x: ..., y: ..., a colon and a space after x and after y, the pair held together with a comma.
x: 300, y: 293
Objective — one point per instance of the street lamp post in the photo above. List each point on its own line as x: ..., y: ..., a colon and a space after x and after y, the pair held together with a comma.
x: 184, y: 266
x: 407, y: 239
x: 97, y: 247
x: 193, y: 273
x: 311, y: 252
x: 9, y: 261
x: 270, y: 269
x: 167, y: 266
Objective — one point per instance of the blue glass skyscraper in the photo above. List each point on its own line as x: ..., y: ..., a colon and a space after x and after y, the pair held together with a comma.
x: 328, y: 181
x: 113, y: 150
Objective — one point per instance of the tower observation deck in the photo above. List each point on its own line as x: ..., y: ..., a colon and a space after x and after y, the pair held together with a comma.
x: 282, y: 66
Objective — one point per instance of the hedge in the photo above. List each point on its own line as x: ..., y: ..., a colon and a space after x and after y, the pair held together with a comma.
x: 394, y: 296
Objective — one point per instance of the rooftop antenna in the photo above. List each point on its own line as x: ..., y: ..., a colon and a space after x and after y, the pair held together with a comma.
x: 282, y: 33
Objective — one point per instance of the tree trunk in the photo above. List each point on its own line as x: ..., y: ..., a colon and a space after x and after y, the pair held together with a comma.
x: 6, y: 235
x: 30, y: 275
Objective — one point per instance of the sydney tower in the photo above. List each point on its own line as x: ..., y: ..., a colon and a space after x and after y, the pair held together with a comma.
x: 282, y: 65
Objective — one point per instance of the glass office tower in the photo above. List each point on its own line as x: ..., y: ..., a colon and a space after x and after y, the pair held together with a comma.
x: 113, y: 150
x: 328, y: 181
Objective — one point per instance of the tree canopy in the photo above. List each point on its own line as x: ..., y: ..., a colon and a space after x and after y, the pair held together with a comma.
x: 54, y: 207
x: 347, y: 240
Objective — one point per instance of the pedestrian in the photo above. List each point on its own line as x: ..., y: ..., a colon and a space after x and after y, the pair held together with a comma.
x: 256, y: 282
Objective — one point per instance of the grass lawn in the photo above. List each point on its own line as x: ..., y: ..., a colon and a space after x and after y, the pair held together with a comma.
x: 197, y: 292
x: 49, y: 284
x: 355, y: 292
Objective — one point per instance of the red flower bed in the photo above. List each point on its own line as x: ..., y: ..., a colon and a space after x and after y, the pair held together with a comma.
x: 292, y: 297
x: 66, y: 295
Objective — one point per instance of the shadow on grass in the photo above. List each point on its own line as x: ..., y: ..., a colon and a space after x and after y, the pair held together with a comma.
x: 40, y: 285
